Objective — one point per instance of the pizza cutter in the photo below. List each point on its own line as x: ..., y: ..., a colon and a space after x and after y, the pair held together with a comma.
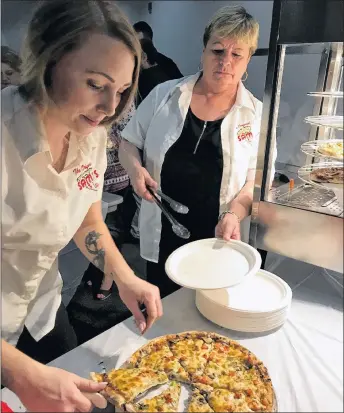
x: 96, y: 399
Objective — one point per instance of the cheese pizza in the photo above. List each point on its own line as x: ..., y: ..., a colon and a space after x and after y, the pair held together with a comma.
x: 223, y: 376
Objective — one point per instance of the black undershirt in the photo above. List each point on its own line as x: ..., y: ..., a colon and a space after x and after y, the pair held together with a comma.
x: 193, y: 177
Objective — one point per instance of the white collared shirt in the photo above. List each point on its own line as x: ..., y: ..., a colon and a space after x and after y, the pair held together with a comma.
x: 158, y: 123
x: 41, y: 212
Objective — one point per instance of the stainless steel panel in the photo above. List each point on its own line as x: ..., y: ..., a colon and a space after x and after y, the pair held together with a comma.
x: 306, y: 197
x: 311, y: 21
x: 307, y: 223
x: 310, y: 237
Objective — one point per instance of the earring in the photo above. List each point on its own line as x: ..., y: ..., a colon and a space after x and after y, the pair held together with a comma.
x: 244, y: 80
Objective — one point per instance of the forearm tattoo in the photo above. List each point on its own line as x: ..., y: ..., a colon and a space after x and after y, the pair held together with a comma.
x: 92, y: 247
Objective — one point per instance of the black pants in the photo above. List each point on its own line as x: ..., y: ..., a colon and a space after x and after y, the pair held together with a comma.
x: 56, y: 343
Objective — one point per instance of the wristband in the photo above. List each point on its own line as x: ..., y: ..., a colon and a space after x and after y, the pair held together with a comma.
x: 221, y: 216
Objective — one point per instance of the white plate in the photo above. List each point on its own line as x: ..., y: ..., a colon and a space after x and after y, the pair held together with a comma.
x: 262, y: 293
x: 212, y: 264
x: 326, y: 120
x: 260, y: 303
x: 337, y: 94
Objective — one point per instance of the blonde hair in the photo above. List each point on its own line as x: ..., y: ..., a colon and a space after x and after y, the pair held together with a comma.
x: 9, y: 57
x: 61, y: 26
x: 235, y: 22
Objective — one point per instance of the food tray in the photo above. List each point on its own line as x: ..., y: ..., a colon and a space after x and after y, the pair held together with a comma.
x: 312, y: 148
x: 335, y: 94
x: 305, y: 172
x: 335, y: 122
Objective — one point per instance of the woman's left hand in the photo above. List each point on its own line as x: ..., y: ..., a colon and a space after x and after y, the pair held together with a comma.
x: 134, y: 292
x: 228, y: 228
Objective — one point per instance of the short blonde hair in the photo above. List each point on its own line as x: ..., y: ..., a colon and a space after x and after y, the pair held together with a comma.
x: 235, y: 22
x: 61, y: 26
x: 11, y: 58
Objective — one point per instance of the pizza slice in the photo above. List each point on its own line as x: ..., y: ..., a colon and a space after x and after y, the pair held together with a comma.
x: 222, y: 400
x: 124, y: 385
x: 233, y: 368
x: 158, y: 356
x: 334, y: 149
x: 228, y: 364
x: 198, y: 403
x: 192, y: 350
x: 167, y: 401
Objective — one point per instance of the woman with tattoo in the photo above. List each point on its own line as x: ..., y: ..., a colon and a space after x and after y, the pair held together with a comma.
x: 53, y: 163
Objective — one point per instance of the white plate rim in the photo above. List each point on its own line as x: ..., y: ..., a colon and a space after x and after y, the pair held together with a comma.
x: 286, y: 299
x: 253, y: 252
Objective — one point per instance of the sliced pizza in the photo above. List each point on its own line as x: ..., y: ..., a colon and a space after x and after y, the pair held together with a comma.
x: 333, y: 149
x: 124, y: 385
x: 158, y: 356
x: 233, y: 368
x: 167, y: 401
x: 222, y: 400
x: 198, y: 403
x: 192, y: 350
x: 225, y: 356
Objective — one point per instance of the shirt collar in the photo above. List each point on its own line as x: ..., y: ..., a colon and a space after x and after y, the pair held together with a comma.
x: 28, y: 133
x: 243, y: 99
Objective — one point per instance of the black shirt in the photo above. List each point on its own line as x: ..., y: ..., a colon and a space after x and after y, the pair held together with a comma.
x: 192, y: 174
x: 149, y: 78
x: 169, y: 66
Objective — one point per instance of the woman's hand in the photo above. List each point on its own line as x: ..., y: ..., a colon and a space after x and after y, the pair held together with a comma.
x: 228, y: 228
x: 49, y: 389
x: 134, y: 292
x: 140, y: 180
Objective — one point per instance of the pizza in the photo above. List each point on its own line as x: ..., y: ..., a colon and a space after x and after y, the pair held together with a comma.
x: 192, y: 350
x: 167, y: 401
x: 157, y: 355
x: 124, y: 385
x: 198, y: 403
x: 333, y: 149
x: 330, y: 175
x: 222, y: 375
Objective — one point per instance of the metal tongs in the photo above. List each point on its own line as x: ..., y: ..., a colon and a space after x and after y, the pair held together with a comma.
x: 177, y: 228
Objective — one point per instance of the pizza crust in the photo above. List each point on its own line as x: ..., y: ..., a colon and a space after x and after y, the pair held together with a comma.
x: 264, y: 385
x: 124, y: 385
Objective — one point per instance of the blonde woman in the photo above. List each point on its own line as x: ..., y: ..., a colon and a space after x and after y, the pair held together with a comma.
x: 10, y: 67
x: 53, y: 163
x: 199, y: 137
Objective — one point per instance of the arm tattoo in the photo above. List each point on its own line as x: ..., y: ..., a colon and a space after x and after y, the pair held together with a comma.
x: 92, y: 247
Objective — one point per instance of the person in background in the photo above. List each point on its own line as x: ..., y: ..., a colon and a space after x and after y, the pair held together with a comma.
x: 199, y: 138
x: 152, y: 73
x: 52, y: 170
x: 116, y: 181
x: 144, y: 31
x: 10, y: 67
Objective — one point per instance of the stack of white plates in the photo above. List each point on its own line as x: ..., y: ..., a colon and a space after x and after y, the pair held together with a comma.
x: 260, y: 303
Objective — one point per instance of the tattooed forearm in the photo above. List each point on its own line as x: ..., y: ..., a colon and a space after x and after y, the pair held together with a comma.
x: 91, y: 240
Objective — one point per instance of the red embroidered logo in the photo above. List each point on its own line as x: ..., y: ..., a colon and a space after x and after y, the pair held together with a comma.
x: 87, y: 177
x: 244, y: 132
